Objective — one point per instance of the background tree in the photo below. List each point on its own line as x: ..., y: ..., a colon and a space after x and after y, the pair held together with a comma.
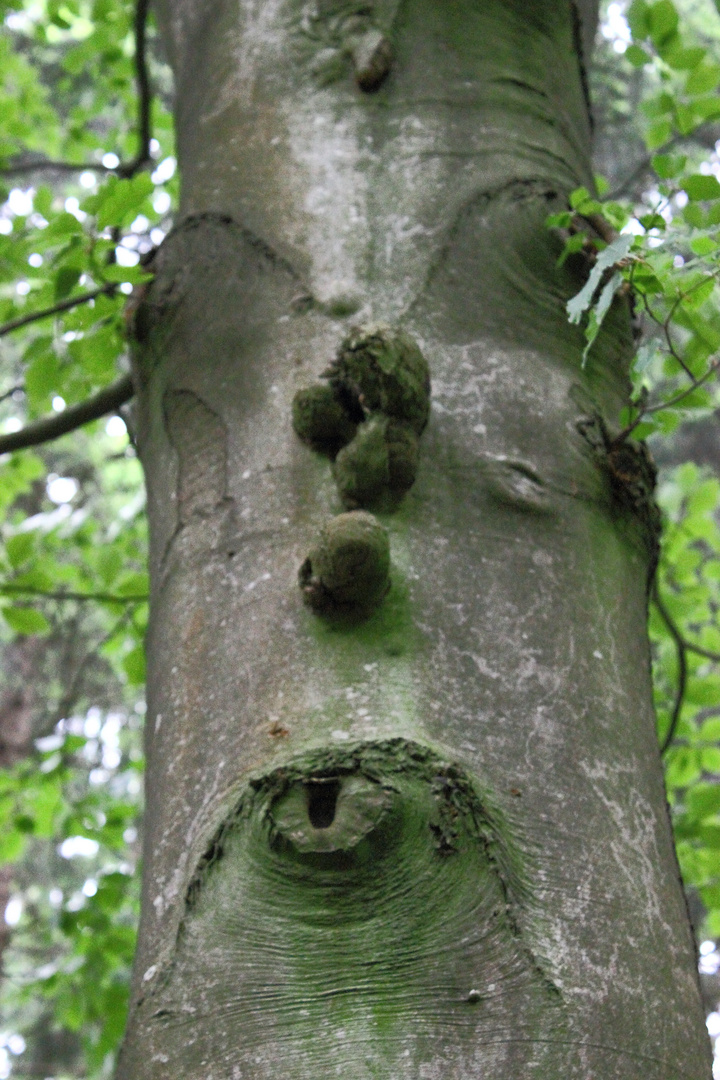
x: 314, y: 324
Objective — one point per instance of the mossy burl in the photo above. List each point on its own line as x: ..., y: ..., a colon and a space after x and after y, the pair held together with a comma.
x: 348, y: 567
x: 321, y: 420
x: 379, y: 465
x: 369, y: 416
x: 383, y: 369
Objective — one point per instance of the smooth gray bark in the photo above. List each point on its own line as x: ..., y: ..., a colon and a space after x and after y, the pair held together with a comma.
x: 507, y: 901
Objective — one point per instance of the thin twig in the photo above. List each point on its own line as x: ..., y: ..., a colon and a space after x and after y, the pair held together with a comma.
x: 664, y: 325
x: 62, y: 594
x: 602, y: 227
x: 685, y: 393
x: 19, y: 168
x: 142, y: 79
x: 71, y: 695
x: 18, y: 388
x: 691, y: 646
x: 681, y: 648
x: 668, y: 336
x: 650, y: 409
x: 645, y: 163
x: 52, y: 427
x: 55, y: 309
x: 707, y: 653
x: 628, y: 183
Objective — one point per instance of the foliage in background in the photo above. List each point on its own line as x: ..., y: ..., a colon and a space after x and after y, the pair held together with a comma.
x: 80, y: 210
x: 86, y: 159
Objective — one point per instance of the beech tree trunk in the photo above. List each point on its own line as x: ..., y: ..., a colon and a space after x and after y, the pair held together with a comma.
x: 419, y: 832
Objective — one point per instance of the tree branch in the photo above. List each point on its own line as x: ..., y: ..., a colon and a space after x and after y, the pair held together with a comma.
x: 19, y: 387
x: 691, y: 646
x: 19, y: 168
x: 70, y: 696
x: 62, y: 305
x: 52, y: 427
x: 650, y: 409
x: 142, y: 79
x: 63, y: 594
x: 681, y: 648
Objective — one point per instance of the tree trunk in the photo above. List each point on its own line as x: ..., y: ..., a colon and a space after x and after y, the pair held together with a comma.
x: 420, y: 832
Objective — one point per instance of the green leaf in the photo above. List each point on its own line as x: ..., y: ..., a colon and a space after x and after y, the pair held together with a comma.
x: 652, y: 221
x: 704, y: 691
x: 697, y: 296
x: 694, y: 215
x: 711, y: 759
x: 12, y: 845
x: 680, y: 57
x: 703, y: 79
x: 637, y: 56
x: 109, y: 564
x: 684, y: 767
x: 658, y: 134
x: 662, y: 22
x: 663, y: 104
x: 703, y: 801
x: 42, y: 201
x: 700, y: 188
x: 136, y: 275
x: 573, y: 244
x: 710, y: 730
x: 638, y: 17
x: 135, y: 584
x: 563, y: 220
x: 66, y: 279
x: 42, y: 377
x: 19, y: 548
x: 25, y: 620
x: 578, y: 197
x: 96, y: 353
x: 704, y: 245
x: 667, y: 166
x: 122, y: 200
x: 61, y: 227
x: 134, y: 666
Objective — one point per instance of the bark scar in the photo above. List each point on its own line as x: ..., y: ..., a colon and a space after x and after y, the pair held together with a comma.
x: 199, y: 437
